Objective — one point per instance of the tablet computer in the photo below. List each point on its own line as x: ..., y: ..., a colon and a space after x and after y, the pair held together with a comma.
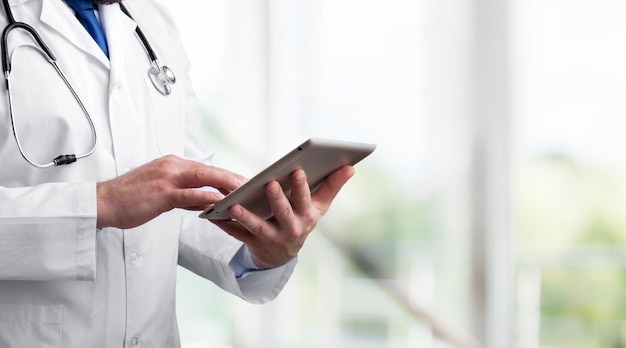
x: 317, y: 157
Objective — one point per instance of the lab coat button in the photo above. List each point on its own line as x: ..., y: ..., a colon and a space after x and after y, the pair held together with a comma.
x: 135, y: 257
x: 135, y: 342
x: 126, y: 169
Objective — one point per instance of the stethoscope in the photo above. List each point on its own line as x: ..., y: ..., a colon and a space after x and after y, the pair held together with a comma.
x: 162, y: 78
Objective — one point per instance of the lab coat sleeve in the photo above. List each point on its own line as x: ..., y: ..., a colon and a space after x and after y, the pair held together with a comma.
x: 48, y: 232
x: 205, y: 249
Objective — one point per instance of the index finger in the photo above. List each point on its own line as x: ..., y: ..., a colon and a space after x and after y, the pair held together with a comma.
x: 200, y: 175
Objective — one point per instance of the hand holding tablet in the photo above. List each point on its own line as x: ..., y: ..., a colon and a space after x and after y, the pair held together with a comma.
x: 317, y: 157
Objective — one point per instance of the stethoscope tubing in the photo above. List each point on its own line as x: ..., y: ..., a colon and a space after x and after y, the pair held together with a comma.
x: 141, y: 35
x: 6, y: 61
x: 161, y: 76
x: 6, y: 67
x: 62, y: 159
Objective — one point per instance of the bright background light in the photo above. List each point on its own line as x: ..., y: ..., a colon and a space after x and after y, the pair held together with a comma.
x: 493, y: 200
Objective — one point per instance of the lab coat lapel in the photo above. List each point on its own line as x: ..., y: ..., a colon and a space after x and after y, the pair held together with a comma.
x: 60, y: 18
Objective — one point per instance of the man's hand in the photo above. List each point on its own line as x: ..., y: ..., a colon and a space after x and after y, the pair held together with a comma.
x: 275, y: 241
x: 170, y: 182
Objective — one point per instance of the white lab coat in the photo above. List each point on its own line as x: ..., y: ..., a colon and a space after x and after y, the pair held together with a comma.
x: 62, y: 282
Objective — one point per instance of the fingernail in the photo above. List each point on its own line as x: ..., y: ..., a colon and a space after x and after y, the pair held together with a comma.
x: 299, y: 177
x: 272, y: 189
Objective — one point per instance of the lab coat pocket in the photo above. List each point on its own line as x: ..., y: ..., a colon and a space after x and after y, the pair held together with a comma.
x: 30, y: 326
x: 168, y: 118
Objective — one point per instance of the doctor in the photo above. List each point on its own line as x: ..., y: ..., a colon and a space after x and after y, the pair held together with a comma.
x: 89, y: 250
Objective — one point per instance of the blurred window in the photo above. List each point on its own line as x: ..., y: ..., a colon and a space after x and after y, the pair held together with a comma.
x: 569, y: 83
x: 404, y: 74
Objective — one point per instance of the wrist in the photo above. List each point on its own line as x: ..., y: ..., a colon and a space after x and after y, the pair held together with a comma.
x: 102, y: 219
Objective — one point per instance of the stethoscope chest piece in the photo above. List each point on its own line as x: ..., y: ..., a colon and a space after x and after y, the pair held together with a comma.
x: 162, y: 77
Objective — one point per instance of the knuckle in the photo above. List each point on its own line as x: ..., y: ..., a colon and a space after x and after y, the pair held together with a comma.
x: 170, y: 158
x: 258, y: 229
x: 198, y: 174
x: 309, y: 219
x: 169, y: 163
x: 178, y: 198
x: 284, y: 213
x: 163, y: 167
x: 187, y: 195
x: 293, y: 236
x: 310, y: 216
x: 166, y: 161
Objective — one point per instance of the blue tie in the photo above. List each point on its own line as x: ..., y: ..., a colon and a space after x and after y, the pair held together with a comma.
x: 87, y: 17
